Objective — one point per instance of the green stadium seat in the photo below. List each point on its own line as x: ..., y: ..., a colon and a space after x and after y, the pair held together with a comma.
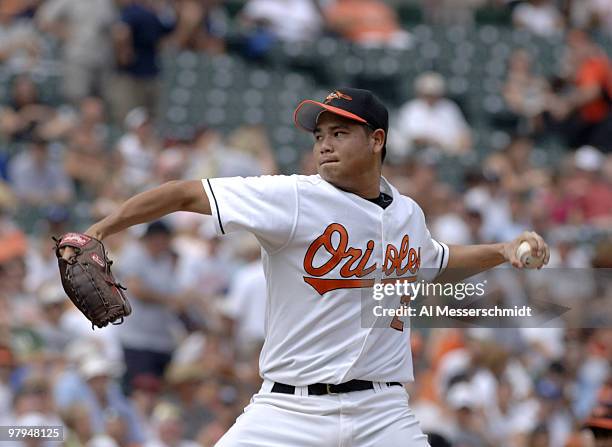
x: 177, y: 115
x: 489, y: 35
x: 410, y: 13
x: 521, y: 38
x: 180, y: 96
x: 187, y: 78
x: 422, y: 33
x: 216, y: 97
x: 227, y: 91
x: 493, y: 15
x: 253, y: 116
x: 294, y: 80
x: 187, y: 60
x: 259, y: 78
x: 458, y: 85
x: 457, y: 34
x: 233, y: 7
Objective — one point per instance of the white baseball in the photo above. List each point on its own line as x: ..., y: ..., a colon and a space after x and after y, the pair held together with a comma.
x: 523, y: 252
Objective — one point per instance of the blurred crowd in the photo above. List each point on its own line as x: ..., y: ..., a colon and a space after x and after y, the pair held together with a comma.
x: 181, y: 368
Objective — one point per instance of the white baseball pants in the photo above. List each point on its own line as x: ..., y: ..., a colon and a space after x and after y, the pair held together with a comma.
x: 379, y: 417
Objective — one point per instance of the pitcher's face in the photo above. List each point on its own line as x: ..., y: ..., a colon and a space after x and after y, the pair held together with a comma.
x: 344, y: 149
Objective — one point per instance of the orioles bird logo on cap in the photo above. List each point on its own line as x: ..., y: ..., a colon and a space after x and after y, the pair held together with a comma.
x: 337, y: 95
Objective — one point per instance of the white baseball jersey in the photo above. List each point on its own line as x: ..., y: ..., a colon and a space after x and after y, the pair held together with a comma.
x: 322, y: 248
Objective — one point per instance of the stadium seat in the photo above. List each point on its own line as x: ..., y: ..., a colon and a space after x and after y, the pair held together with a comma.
x: 226, y: 91
x: 493, y: 15
x: 409, y: 13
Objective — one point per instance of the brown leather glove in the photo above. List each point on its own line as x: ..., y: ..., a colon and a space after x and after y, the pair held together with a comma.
x: 88, y: 280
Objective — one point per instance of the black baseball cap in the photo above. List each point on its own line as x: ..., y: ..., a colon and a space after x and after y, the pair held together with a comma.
x: 353, y: 103
x: 157, y: 227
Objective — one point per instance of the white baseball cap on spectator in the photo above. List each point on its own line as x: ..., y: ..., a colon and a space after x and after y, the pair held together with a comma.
x: 32, y: 419
x: 102, y: 441
x: 430, y: 415
x: 452, y: 229
x: 97, y: 366
x: 460, y: 396
x: 136, y: 118
x: 189, y: 351
x: 80, y: 349
x: 588, y: 158
x: 165, y: 411
x: 430, y: 84
x: 51, y: 293
x: 477, y: 199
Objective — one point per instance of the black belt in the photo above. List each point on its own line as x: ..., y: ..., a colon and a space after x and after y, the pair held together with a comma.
x: 319, y: 389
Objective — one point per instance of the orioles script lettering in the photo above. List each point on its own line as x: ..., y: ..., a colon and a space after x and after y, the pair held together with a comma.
x: 355, y: 263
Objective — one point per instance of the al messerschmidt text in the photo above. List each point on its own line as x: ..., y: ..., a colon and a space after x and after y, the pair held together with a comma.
x: 447, y: 311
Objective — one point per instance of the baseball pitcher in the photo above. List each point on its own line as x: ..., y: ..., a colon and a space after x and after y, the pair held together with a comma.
x: 326, y: 238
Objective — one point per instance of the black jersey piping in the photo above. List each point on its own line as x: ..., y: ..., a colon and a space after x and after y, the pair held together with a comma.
x: 216, y: 205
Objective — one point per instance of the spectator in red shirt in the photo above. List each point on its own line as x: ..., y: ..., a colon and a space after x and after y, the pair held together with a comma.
x: 582, y: 195
x: 587, y: 109
x: 593, y: 78
x: 593, y: 194
x: 366, y: 22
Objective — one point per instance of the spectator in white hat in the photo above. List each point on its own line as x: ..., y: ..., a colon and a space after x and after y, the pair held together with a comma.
x: 102, y: 395
x: 170, y: 427
x: 469, y: 427
x: 139, y: 149
x: 431, y: 120
x: 539, y: 17
x: 593, y: 193
x: 53, y: 301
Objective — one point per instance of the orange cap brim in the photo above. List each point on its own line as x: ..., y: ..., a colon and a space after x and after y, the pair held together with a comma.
x: 307, y: 113
x: 605, y: 423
